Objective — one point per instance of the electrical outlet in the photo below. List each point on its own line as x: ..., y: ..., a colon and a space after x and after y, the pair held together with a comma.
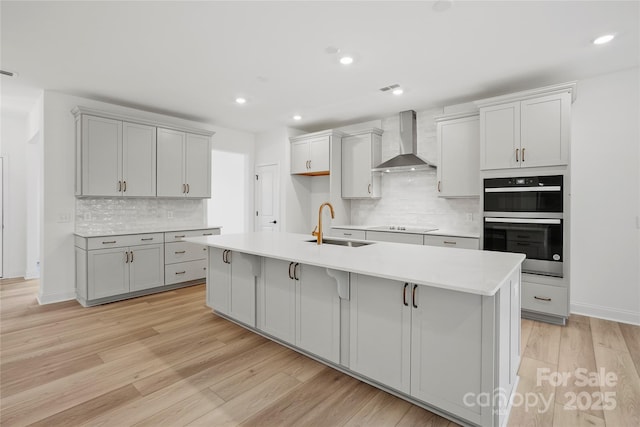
x: 470, y: 216
x: 169, y: 214
x: 64, y: 217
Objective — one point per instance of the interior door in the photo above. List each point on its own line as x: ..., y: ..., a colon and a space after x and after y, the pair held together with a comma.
x: 267, y: 198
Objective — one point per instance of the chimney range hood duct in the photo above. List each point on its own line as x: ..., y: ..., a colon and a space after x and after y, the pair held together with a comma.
x: 407, y: 160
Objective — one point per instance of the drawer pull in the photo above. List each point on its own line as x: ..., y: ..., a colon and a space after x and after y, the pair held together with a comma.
x: 207, y: 234
x: 179, y: 237
x: 447, y: 242
x: 179, y: 252
x: 109, y: 243
x: 147, y: 239
x: 542, y: 298
x: 180, y: 272
x: 347, y: 234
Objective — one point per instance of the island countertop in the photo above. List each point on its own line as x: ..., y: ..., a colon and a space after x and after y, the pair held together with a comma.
x: 464, y: 270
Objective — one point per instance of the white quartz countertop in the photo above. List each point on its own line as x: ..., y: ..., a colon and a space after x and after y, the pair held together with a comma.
x: 465, y: 270
x: 168, y: 229
x: 413, y: 230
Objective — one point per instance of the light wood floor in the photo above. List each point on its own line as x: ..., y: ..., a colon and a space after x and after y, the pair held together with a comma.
x: 166, y: 359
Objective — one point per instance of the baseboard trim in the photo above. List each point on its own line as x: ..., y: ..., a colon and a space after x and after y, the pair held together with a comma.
x: 53, y: 298
x: 607, y: 313
x: 30, y: 275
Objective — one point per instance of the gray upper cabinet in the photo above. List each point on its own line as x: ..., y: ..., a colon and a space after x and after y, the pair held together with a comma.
x: 458, y: 155
x: 310, y: 154
x: 360, y: 153
x: 526, y: 129
x: 116, y: 158
x: 120, y: 156
x: 184, y: 164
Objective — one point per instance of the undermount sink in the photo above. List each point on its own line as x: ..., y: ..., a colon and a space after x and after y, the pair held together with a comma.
x: 349, y: 243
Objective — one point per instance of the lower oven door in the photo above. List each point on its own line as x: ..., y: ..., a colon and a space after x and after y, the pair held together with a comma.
x: 540, y: 239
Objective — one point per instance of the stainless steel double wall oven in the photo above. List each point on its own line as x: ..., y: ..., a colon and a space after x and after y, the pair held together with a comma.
x: 526, y: 215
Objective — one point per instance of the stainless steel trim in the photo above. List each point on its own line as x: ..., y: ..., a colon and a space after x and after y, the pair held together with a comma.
x: 491, y: 214
x: 522, y: 189
x: 524, y: 220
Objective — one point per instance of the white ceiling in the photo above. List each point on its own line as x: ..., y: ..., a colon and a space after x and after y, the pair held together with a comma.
x: 192, y: 59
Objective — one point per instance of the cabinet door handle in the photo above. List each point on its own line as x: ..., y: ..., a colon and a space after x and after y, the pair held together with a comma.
x: 446, y: 242
x: 517, y: 150
x: 404, y: 295
x: 439, y: 182
x: 228, y: 256
x: 126, y: 254
x: 119, y: 186
x: 295, y: 271
x: 542, y: 298
x: 180, y: 272
x: 413, y: 296
x: 147, y: 239
x: 180, y: 252
x: 369, y: 188
x: 523, y: 155
x: 124, y: 186
x: 187, y: 188
x: 131, y: 256
x: 184, y: 188
x: 290, y: 275
x: 111, y: 242
x: 224, y: 256
x: 179, y: 236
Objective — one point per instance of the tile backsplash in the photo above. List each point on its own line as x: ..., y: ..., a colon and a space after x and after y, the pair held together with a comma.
x: 411, y: 198
x: 109, y: 215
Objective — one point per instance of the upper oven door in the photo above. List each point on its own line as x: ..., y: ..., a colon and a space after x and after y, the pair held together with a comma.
x: 531, y: 194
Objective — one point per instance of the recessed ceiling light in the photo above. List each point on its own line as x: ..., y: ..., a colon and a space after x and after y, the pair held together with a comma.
x: 398, y: 91
x: 604, y: 39
x: 388, y: 170
x: 240, y: 100
x: 346, y: 60
x: 297, y: 117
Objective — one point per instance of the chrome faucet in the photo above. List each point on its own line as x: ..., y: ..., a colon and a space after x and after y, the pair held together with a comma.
x: 318, y: 230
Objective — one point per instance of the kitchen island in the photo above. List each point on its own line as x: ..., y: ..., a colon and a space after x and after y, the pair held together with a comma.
x: 437, y: 327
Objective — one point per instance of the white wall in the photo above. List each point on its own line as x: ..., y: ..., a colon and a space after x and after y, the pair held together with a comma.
x: 14, y: 151
x: 273, y: 147
x: 605, y: 197
x: 59, y: 202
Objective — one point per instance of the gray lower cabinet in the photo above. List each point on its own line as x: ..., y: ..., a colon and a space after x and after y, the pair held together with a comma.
x: 128, y: 264
x: 231, y: 284
x: 185, y: 261
x: 299, y: 304
x: 123, y: 266
x: 437, y: 346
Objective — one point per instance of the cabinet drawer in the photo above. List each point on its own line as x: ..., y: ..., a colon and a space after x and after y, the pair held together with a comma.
x: 544, y: 298
x: 386, y: 236
x: 122, y: 241
x: 183, y: 251
x: 185, y: 271
x: 452, y: 242
x: 349, y: 234
x: 177, y: 236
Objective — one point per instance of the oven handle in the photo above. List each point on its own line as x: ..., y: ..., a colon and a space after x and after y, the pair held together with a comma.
x: 524, y: 220
x: 522, y: 189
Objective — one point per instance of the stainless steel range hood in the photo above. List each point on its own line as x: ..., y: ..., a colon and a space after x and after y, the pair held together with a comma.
x: 407, y: 160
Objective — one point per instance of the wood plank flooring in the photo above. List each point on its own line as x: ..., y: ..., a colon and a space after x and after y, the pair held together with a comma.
x: 165, y: 359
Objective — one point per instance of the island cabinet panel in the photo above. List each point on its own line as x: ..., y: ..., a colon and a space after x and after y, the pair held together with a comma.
x: 380, y: 330
x: 299, y: 305
x: 233, y: 284
x: 277, y: 300
x: 446, y: 348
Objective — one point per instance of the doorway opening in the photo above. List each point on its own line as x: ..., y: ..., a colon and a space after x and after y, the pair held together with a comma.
x: 227, y: 206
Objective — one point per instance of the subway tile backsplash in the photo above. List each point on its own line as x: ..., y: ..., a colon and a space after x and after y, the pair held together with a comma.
x: 119, y: 214
x: 411, y: 199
